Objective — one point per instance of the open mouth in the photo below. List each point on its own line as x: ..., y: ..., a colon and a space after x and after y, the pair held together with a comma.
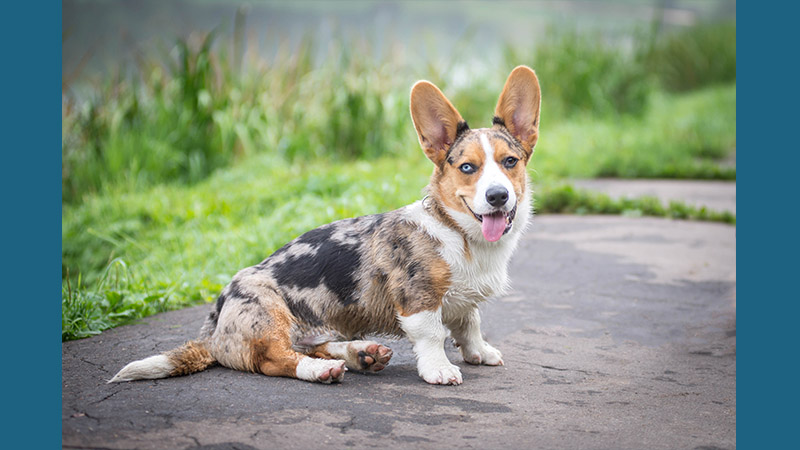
x: 496, y: 224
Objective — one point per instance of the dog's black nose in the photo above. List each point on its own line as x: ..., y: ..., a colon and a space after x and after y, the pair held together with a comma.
x: 497, y: 196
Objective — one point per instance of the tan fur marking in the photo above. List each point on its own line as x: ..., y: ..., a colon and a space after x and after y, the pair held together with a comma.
x: 440, y: 276
x: 323, y: 355
x: 450, y: 185
x: 274, y: 358
x: 272, y: 354
x: 320, y: 351
x: 189, y: 358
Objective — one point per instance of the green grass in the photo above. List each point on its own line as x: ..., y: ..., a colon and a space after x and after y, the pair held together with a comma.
x: 692, y: 58
x: 681, y: 136
x: 180, y: 118
x: 584, y: 74
x: 565, y: 199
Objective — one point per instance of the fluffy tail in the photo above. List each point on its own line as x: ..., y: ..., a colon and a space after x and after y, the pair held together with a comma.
x: 191, y: 357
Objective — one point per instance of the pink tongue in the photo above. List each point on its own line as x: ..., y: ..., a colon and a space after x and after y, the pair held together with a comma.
x: 493, y: 226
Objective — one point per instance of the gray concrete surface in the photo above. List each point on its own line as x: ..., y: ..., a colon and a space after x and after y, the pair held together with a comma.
x: 620, y: 333
x: 714, y: 195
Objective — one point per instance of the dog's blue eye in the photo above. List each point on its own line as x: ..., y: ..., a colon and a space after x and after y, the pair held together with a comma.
x: 467, y: 168
x: 510, y: 162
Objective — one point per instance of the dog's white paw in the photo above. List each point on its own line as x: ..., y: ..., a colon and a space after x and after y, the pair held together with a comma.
x: 485, y: 354
x: 449, y: 374
x: 321, y: 370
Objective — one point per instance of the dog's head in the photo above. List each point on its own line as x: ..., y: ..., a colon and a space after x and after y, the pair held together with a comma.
x: 480, y: 175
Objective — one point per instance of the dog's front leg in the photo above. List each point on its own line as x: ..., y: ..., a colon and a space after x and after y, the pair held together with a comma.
x: 475, y: 350
x: 427, y: 332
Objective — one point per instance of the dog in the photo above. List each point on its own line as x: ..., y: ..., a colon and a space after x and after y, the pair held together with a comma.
x: 419, y: 271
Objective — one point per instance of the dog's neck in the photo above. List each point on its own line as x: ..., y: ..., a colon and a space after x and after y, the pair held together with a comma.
x: 433, y: 205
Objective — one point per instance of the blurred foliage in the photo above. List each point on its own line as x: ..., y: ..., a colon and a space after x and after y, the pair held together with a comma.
x: 584, y: 74
x: 203, y: 160
x: 692, y: 58
x: 179, y: 117
x: 684, y: 136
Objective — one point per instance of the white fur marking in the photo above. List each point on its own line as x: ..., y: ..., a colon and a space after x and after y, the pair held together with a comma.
x: 492, y: 176
x: 151, y: 368
x: 310, y: 369
x: 427, y: 332
x: 475, y: 350
x: 338, y: 349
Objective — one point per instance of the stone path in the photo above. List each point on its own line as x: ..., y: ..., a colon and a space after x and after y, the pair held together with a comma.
x: 620, y: 333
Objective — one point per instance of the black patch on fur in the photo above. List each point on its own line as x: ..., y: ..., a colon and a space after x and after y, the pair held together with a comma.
x: 412, y: 269
x: 498, y: 121
x: 377, y: 219
x: 405, y: 298
x: 220, y: 303
x: 213, y: 317
x: 235, y: 290
x: 461, y: 128
x: 513, y: 143
x: 401, y: 250
x: 317, y: 235
x: 312, y: 237
x: 302, y: 311
x: 380, y: 277
x: 333, y: 265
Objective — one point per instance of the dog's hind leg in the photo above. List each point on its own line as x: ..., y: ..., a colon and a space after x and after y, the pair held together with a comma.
x: 277, y: 358
x: 254, y: 333
x: 367, y: 356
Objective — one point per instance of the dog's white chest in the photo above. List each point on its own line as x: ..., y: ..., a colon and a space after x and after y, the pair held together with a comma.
x: 477, y: 272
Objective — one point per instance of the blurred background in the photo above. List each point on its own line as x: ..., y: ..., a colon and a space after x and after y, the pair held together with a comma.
x: 200, y: 136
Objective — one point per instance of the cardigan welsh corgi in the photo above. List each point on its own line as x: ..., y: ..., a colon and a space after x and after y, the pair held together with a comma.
x: 419, y: 271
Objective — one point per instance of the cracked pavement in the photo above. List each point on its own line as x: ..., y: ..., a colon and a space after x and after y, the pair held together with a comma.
x: 619, y: 333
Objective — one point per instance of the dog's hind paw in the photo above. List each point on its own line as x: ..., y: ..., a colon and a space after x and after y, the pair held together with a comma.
x: 325, y: 371
x: 373, y: 357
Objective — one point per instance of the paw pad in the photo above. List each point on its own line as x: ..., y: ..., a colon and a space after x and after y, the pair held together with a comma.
x: 374, y: 357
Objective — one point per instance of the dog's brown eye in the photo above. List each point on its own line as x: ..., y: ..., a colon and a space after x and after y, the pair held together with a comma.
x: 467, y: 168
x: 510, y: 162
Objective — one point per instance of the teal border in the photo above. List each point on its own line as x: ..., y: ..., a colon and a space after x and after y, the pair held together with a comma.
x: 30, y: 37
x: 767, y: 188
x: 767, y: 120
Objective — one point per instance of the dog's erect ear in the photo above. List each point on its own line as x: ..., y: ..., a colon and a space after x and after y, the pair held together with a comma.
x: 435, y: 119
x: 518, y: 106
